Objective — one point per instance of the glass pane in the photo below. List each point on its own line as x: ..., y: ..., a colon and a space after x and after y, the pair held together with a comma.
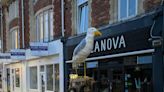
x: 46, y: 26
x: 33, y: 78
x: 17, y: 77
x: 123, y: 9
x: 51, y: 25
x: 37, y: 28
x: 41, y: 68
x: 50, y: 77
x: 41, y: 27
x: 57, y: 78
x: 82, y: 19
x: 132, y: 7
x: 86, y: 18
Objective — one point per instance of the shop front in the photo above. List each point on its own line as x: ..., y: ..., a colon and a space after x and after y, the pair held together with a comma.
x: 121, y: 60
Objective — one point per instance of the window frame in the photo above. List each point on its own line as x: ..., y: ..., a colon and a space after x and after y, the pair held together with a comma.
x: 79, y: 6
x: 16, y: 39
x: 38, y: 28
x: 127, y: 10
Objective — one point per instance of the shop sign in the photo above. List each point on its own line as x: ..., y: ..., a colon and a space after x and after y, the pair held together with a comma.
x: 109, y: 44
x: 122, y: 42
x: 39, y: 48
x: 18, y: 54
x: 5, y: 55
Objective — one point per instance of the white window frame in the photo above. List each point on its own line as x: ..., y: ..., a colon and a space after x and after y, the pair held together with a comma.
x: 15, y: 29
x: 83, y: 3
x: 38, y: 30
x: 127, y: 17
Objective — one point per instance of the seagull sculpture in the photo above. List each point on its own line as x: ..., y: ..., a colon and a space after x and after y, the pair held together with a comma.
x: 84, y: 48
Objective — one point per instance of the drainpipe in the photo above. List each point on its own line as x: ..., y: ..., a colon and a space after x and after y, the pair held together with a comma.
x: 62, y: 19
x: 22, y: 1
x: 63, y: 40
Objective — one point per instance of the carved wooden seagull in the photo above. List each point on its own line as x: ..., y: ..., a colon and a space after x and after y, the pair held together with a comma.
x: 84, y: 48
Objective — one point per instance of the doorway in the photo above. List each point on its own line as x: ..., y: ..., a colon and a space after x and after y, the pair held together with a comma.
x: 111, y: 78
x: 8, y: 80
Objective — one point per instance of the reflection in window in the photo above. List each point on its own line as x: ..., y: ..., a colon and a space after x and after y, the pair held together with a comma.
x: 33, y: 78
x: 17, y: 77
x: 49, y: 77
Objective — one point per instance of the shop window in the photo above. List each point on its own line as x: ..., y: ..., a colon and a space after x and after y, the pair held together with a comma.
x: 144, y: 59
x: 49, y: 77
x: 13, y: 10
x: 44, y: 26
x: 14, y: 38
x: 57, y: 78
x: 127, y: 9
x: 82, y: 6
x: 17, y: 77
x: 33, y: 78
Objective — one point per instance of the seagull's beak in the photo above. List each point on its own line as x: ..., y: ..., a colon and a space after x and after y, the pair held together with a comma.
x: 97, y: 33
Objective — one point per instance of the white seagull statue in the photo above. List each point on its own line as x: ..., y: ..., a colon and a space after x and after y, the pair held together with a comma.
x: 84, y: 48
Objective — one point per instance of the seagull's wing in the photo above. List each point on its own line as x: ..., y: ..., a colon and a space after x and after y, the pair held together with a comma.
x: 79, y: 47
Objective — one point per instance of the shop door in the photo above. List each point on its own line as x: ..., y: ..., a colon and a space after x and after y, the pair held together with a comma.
x: 111, y: 79
x: 42, y: 79
x: 8, y: 80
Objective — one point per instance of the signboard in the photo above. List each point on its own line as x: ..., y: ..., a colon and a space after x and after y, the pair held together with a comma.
x: 18, y: 54
x: 39, y: 48
x: 5, y: 55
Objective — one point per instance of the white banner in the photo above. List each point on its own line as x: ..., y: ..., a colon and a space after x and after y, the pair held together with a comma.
x: 39, y: 48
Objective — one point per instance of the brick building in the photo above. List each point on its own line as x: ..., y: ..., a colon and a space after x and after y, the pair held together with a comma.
x: 32, y: 48
x: 123, y: 55
x: 32, y: 54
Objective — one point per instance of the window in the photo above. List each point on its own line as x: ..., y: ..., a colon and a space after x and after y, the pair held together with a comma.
x: 44, y: 26
x: 50, y: 77
x: 14, y: 38
x: 13, y: 10
x: 82, y: 15
x: 17, y: 77
x: 127, y: 9
x: 33, y: 78
x: 57, y: 78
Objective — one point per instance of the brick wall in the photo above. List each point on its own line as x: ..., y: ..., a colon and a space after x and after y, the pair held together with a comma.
x: 100, y: 12
x: 57, y: 18
x: 26, y: 23
x: 4, y: 28
x: 41, y: 4
x: 68, y: 17
x: 151, y: 4
x: 13, y: 23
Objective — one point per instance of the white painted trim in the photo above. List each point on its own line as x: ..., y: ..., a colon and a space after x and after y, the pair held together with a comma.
x: 13, y: 28
x: 43, y: 9
x: 118, y: 55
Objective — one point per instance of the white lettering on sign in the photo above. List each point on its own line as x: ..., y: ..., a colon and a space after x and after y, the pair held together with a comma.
x: 109, y: 44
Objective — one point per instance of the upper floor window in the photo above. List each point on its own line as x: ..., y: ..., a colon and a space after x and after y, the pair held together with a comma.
x: 83, y: 19
x: 14, y: 38
x: 44, y: 26
x: 127, y: 9
x: 13, y: 10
